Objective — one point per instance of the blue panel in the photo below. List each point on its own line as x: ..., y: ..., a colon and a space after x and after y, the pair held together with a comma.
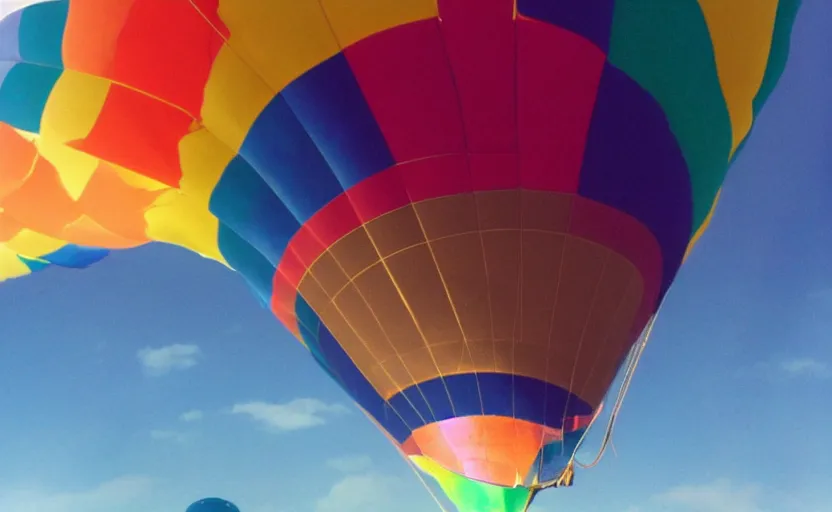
x: 23, y: 95
x: 534, y: 400
x: 34, y: 265
x: 247, y: 261
x: 419, y: 402
x: 42, y: 29
x: 591, y: 19
x: 330, y: 104
x: 243, y: 202
x: 339, y: 365
x: 437, y: 395
x: 73, y: 256
x: 554, y: 457
x: 280, y: 150
x: 633, y: 163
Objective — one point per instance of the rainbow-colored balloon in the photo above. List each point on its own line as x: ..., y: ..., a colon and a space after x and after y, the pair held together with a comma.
x: 467, y: 210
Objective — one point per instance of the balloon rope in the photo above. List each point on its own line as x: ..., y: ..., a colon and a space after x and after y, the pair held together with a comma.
x: 418, y: 474
x: 634, y: 359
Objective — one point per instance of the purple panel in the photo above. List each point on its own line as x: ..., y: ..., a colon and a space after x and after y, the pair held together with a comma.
x: 591, y: 19
x: 10, y: 36
x: 634, y: 164
x: 5, y: 67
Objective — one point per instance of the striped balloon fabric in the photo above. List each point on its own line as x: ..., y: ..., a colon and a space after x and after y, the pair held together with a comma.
x: 467, y: 210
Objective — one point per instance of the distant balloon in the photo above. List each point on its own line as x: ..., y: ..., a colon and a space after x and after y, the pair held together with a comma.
x: 213, y: 505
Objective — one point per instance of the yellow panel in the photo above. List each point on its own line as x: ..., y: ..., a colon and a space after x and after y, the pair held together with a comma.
x: 204, y: 158
x: 741, y: 31
x: 234, y: 97
x: 354, y: 20
x: 32, y: 244
x: 70, y: 114
x: 701, y: 231
x: 31, y: 137
x: 10, y: 264
x: 280, y: 39
x: 184, y: 221
x: 137, y: 180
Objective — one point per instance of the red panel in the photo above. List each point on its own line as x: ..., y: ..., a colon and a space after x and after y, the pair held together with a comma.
x: 448, y: 175
x: 558, y: 74
x: 494, y: 172
x: 436, y: 177
x: 479, y: 38
x: 406, y: 80
x: 145, y: 46
x: 321, y: 231
x: 379, y: 194
x: 626, y: 236
x: 210, y: 9
x: 139, y: 133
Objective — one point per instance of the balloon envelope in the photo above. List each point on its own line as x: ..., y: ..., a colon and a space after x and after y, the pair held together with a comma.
x: 212, y: 505
x: 466, y: 210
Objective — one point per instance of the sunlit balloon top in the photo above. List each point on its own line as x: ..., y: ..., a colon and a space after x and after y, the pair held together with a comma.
x: 467, y: 210
x: 212, y: 505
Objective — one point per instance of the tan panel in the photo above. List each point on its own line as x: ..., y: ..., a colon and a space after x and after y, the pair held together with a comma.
x: 501, y: 287
x: 546, y: 211
x: 502, y: 261
x: 448, y: 216
x: 328, y: 273
x: 395, y: 231
x: 418, y: 279
x: 355, y: 252
x: 499, y: 209
x: 460, y: 259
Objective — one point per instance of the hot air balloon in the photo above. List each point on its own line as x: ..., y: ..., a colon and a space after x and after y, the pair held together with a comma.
x: 466, y: 210
x: 212, y: 505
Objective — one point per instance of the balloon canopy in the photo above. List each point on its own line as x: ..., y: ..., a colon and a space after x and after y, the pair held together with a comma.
x: 212, y: 505
x: 467, y: 210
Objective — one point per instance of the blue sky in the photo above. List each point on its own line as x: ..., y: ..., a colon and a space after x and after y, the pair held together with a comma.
x: 155, y: 378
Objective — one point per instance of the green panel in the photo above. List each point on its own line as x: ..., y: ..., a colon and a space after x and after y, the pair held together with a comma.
x: 665, y: 46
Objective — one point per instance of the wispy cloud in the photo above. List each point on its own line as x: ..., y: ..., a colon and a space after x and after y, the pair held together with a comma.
x: 168, y: 435
x: 106, y: 497
x: 191, y: 416
x: 790, y: 368
x: 823, y: 295
x: 298, y: 414
x: 350, y: 463
x: 362, y: 492
x: 806, y: 367
x: 163, y: 360
x: 721, y: 495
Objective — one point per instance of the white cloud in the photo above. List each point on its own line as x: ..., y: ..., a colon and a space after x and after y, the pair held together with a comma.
x: 168, y: 435
x: 107, y: 497
x: 162, y: 360
x: 719, y: 496
x: 350, y: 463
x: 806, y: 367
x: 191, y: 416
x: 298, y: 414
x: 360, y: 493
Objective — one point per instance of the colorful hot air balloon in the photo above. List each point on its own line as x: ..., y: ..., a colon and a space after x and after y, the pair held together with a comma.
x: 467, y: 210
x: 212, y: 505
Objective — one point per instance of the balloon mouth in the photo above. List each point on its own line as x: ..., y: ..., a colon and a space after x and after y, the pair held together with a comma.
x: 497, y: 450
